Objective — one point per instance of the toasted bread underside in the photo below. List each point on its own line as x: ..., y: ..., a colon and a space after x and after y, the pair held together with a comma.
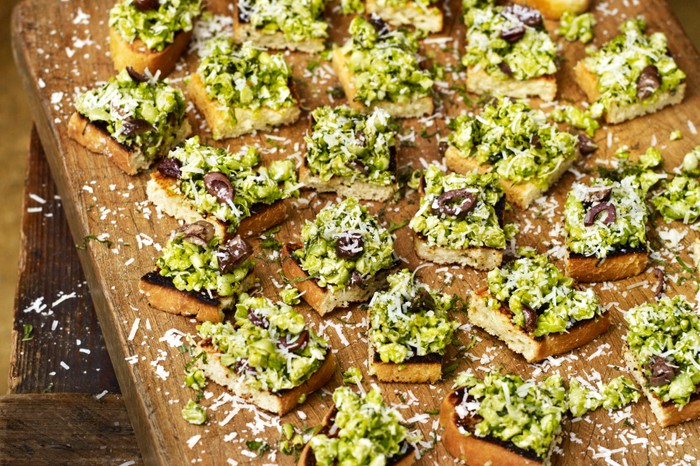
x: 278, y: 403
x: 325, y: 300
x: 520, y: 194
x: 553, y: 9
x: 477, y: 258
x: 480, y: 82
x: 225, y: 125
x: 243, y: 32
x: 667, y: 414
x: 162, y: 295
x: 614, y: 267
x: 408, y: 15
x: 417, y: 108
x: 617, y: 112
x: 162, y: 192
x: 137, y: 56
x: 427, y: 369
x: 346, y: 186
x: 478, y: 451
x: 498, y: 324
x: 95, y: 139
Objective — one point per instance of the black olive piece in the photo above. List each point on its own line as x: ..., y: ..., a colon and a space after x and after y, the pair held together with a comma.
x: 442, y: 148
x: 530, y: 319
x: 233, y: 253
x: 378, y: 24
x: 349, y: 245
x: 611, y: 214
x: 360, y: 138
x: 535, y: 141
x: 298, y: 343
x: 146, y: 5
x: 356, y: 279
x: 199, y: 233
x: 136, y: 76
x: 586, y: 145
x: 456, y: 203
x: 170, y: 168
x: 598, y: 194
x: 242, y: 366
x: 257, y: 319
x: 513, y: 34
x: 526, y: 15
x: 659, y: 371
x: 136, y: 126
x: 661, y: 282
x: 503, y: 66
x: 422, y: 301
x: 219, y: 186
x: 358, y: 166
x: 648, y: 82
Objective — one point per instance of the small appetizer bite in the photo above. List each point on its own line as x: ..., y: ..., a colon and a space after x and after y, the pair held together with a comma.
x: 133, y: 118
x: 266, y: 355
x: 232, y: 191
x: 460, y: 220
x: 632, y: 75
x: 528, y: 153
x: 379, y: 68
x: 509, y: 52
x: 359, y: 430
x: 151, y: 34
x: 281, y: 24
x: 535, y: 310
x: 351, y: 153
x: 198, y: 274
x: 606, y: 230
x: 663, y: 353
x: 343, y: 257
x: 679, y: 199
x: 502, y: 420
x: 425, y: 15
x: 241, y: 89
x: 409, y: 331
x: 554, y: 9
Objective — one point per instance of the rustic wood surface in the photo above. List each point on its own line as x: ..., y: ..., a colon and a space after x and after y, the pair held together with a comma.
x: 61, y: 48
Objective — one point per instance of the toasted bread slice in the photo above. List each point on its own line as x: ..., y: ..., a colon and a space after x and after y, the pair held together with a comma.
x: 519, y: 194
x: 482, y: 451
x: 408, y: 15
x: 346, y: 186
x: 418, y: 369
x: 478, y: 258
x: 129, y: 159
x: 667, y: 414
x: 498, y: 324
x: 140, y: 58
x: 617, y: 112
x: 615, y: 267
x: 243, y: 32
x: 279, y: 403
x: 162, y: 192
x: 326, y: 300
x: 162, y: 295
x: 224, y: 125
x: 417, y: 108
x: 479, y: 82
x: 553, y: 9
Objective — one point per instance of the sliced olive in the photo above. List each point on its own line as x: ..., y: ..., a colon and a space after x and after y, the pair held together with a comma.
x: 295, y: 343
x: 526, y: 15
x: 648, y: 82
x: 360, y: 138
x: 513, y: 34
x: 507, y: 70
x: 442, y: 148
x: 136, y: 126
x: 659, y: 288
x: 456, y: 203
x: 356, y: 279
x: 171, y: 168
x: 219, y: 186
x: 233, y: 253
x: 535, y: 141
x: 199, y: 233
x: 349, y: 245
x: 358, y: 166
x: 146, y: 5
x: 530, y: 319
x: 242, y: 367
x: 610, y: 217
x: 598, y: 194
x: 257, y: 319
x: 378, y: 24
x: 136, y: 76
x: 423, y: 301
x: 586, y: 145
x: 659, y: 371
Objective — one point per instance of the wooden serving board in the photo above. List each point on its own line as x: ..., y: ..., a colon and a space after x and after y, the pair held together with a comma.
x: 61, y: 48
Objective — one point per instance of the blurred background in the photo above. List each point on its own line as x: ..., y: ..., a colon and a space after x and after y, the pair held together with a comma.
x: 15, y: 126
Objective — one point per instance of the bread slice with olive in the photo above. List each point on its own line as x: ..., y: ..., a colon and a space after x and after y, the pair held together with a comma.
x: 425, y: 18
x: 198, y: 274
x: 553, y: 9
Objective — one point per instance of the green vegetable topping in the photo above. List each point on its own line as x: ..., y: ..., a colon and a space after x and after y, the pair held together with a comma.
x: 606, y: 233
x: 577, y: 27
x: 253, y: 185
x: 290, y: 295
x: 676, y: 135
x: 344, y: 223
x: 268, y: 346
x: 615, y: 395
x: 577, y: 118
x: 691, y: 162
x: 348, y: 7
x: 297, y: 20
x: 154, y: 27
x: 194, y: 413
x: 480, y: 227
x: 526, y: 414
x: 665, y: 340
x: 531, y: 56
x: 533, y: 284
x: 352, y: 376
x: 518, y: 141
x: 365, y: 432
x: 409, y: 320
x: 385, y: 65
x: 679, y: 199
x: 149, y: 116
x: 350, y: 144
x: 619, y: 64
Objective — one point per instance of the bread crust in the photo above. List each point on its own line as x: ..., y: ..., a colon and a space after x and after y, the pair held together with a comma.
x: 553, y: 9
x: 417, y: 108
x: 224, y: 126
x: 614, y: 267
x: 520, y: 194
x: 477, y: 258
x: 346, y: 186
x: 427, y: 369
x: 480, y: 82
x: 617, y: 113
x: 667, y: 414
x: 95, y: 139
x: 162, y: 192
x: 499, y: 325
x: 281, y: 403
x: 408, y: 15
x: 140, y: 58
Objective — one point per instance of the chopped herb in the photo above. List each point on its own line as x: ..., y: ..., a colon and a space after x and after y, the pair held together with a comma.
x: 426, y: 135
x: 28, y: 332
x: 258, y: 445
x: 87, y: 238
x: 397, y: 226
x: 313, y: 65
x: 433, y: 412
x: 685, y: 266
x: 271, y: 243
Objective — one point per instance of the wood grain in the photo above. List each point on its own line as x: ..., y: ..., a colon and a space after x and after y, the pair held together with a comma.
x: 61, y: 46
